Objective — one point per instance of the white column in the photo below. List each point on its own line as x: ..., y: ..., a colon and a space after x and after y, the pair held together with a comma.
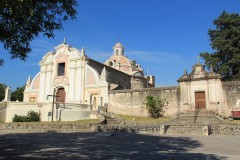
x: 72, y: 81
x: 7, y: 94
x: 42, y: 85
x: 78, y: 79
x: 99, y: 101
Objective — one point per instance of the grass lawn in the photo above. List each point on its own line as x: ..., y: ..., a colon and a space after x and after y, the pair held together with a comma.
x: 235, y: 121
x: 143, y: 120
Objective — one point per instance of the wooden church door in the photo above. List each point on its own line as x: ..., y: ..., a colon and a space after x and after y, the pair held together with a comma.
x: 200, y: 102
x: 61, y: 95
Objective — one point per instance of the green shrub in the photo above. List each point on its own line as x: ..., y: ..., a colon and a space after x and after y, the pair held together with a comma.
x: 31, y: 117
x: 154, y: 106
x: 17, y: 118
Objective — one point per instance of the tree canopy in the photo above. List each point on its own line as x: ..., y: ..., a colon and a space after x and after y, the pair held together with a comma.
x: 18, y: 94
x: 23, y: 20
x: 225, y: 42
x: 2, y: 91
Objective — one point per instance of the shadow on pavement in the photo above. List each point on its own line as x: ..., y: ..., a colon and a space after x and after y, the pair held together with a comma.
x: 93, y: 146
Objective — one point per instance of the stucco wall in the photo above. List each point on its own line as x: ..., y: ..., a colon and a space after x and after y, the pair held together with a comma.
x: 3, y: 106
x: 130, y: 102
x: 68, y: 112
x: 232, y: 95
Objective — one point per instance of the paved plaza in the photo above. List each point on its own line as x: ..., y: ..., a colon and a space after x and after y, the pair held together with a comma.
x: 119, y: 146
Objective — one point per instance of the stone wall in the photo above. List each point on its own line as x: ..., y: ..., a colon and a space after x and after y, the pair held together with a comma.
x: 130, y: 102
x: 225, y: 129
x: 232, y: 95
x: 112, y: 75
x: 35, y: 127
x: 138, y: 82
x: 221, y: 98
x: 22, y: 127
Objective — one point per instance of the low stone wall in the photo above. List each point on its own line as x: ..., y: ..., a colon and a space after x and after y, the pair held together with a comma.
x: 54, y: 127
x: 142, y: 129
x: 130, y: 128
x: 29, y: 128
x: 130, y: 101
x: 225, y: 130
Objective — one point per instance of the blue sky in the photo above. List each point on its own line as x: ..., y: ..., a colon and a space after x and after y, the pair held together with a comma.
x: 163, y: 36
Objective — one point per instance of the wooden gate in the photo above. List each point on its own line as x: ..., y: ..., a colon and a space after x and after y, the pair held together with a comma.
x: 200, y: 101
x: 61, y: 95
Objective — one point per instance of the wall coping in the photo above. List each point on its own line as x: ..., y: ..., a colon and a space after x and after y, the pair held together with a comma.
x: 145, y: 89
x: 231, y: 83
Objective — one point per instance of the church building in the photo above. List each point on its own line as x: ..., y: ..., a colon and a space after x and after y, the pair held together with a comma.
x: 79, y: 79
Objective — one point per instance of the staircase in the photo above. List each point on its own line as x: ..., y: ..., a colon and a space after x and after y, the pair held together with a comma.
x: 192, y: 123
x: 110, y: 123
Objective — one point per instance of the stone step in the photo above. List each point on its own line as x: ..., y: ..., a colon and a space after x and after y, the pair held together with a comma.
x: 199, y: 117
x: 111, y: 121
x: 184, y: 130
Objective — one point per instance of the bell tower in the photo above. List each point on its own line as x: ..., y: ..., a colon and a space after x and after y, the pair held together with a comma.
x: 118, y: 49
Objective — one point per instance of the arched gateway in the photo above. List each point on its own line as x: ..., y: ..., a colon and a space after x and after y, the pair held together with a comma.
x: 61, y: 95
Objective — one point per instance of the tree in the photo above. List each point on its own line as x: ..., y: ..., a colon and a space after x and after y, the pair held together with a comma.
x: 18, y: 94
x: 225, y: 41
x: 2, y: 91
x: 23, y: 20
x: 154, y: 106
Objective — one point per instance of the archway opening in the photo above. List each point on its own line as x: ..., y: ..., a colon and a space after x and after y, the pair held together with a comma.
x: 61, y: 95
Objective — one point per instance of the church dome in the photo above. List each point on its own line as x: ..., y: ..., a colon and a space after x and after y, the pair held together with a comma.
x: 121, y: 62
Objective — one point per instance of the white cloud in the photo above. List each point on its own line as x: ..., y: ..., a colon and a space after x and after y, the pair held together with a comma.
x: 156, y: 57
x: 97, y: 54
x: 30, y: 64
x: 40, y: 48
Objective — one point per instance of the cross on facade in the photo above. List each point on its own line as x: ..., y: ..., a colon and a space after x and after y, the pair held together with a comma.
x: 198, y: 59
x: 54, y: 96
x: 118, y: 38
x: 64, y: 40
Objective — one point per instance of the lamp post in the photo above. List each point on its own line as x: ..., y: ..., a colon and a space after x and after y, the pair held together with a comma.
x: 54, y: 96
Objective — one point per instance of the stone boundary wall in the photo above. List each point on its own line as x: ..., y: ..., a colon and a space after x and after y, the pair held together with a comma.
x: 136, y: 128
x: 232, y: 95
x: 35, y: 128
x: 225, y: 129
x: 130, y: 101
x: 161, y: 129
x: 29, y: 127
x: 148, y: 129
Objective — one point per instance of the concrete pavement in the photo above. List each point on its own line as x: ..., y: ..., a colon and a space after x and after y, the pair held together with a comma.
x: 121, y: 145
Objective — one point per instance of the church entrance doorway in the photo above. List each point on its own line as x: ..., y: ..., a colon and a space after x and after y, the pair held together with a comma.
x: 200, y: 101
x: 61, y: 95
